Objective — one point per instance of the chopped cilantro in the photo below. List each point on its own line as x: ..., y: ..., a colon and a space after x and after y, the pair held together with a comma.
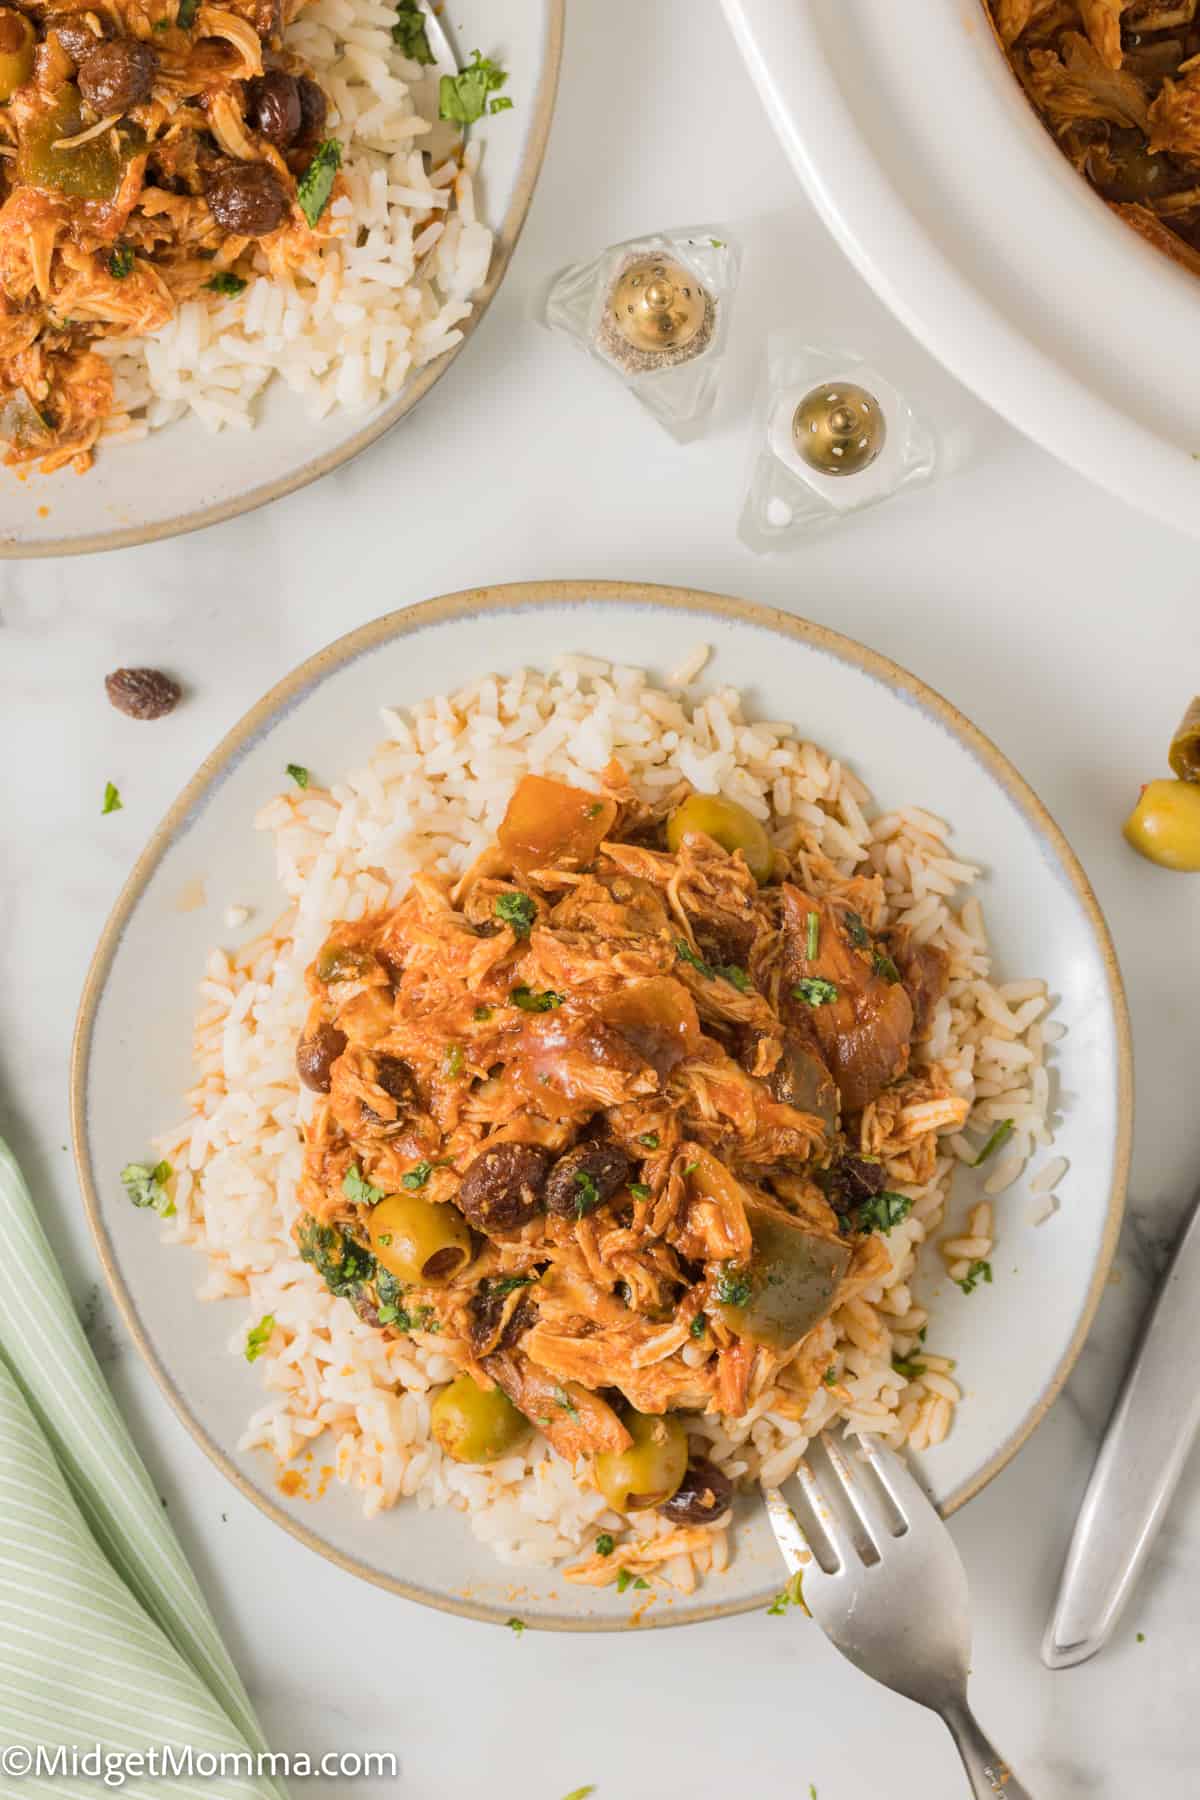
x: 639, y: 1190
x: 627, y: 1578
x: 517, y: 910
x: 791, y: 1595
x: 146, y: 1185
x: 529, y: 1001
x: 604, y: 1544
x: 464, y: 97
x: 813, y: 923
x: 185, y: 18
x: 735, y: 976
x: 856, y: 931
x: 882, y: 1211
x: 225, y: 282
x: 417, y: 1176
x: 649, y: 1140
x: 686, y: 954
x: 733, y: 1287
x: 258, y: 1337
x: 482, y: 1014
x: 814, y: 990
x: 409, y: 35
x: 316, y: 184
x: 298, y: 773
x: 120, y: 261
x: 112, y: 799
x: 588, y: 1195
x: 342, y: 1264
x: 908, y: 1367
x: 885, y: 966
x: 563, y: 1399
x: 978, y: 1271
x: 515, y: 1625
x: 1000, y: 1135
x: 830, y: 1376
x: 698, y: 1326
x: 357, y: 1188
x: 500, y: 1285
x: 452, y: 1062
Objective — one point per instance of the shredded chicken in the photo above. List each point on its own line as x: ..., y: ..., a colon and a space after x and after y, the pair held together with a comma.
x: 606, y: 1118
x: 1116, y: 82
x: 153, y: 150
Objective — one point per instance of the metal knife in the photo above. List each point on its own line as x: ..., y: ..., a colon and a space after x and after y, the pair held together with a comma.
x: 1140, y: 1462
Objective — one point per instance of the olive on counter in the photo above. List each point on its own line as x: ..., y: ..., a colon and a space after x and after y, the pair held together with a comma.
x: 502, y: 1189
x: 316, y: 1054
x: 117, y: 73
x: 653, y: 1467
x: 419, y: 1240
x: 728, y: 825
x: 247, y: 199
x: 477, y: 1425
x: 17, y: 42
x: 1164, y: 826
x: 702, y: 1496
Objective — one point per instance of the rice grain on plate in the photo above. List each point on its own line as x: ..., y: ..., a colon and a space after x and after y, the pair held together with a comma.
x: 432, y: 796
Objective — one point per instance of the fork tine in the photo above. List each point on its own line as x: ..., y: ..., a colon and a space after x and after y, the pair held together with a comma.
x: 852, y: 1490
x: 829, y: 1541
x: 899, y: 1484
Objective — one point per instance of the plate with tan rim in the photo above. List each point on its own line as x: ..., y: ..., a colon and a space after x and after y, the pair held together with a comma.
x: 181, y: 477
x: 131, y: 1065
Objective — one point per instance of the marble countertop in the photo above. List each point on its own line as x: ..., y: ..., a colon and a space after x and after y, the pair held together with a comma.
x: 1065, y: 625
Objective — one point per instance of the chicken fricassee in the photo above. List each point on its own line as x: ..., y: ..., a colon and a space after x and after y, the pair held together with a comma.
x: 605, y: 1116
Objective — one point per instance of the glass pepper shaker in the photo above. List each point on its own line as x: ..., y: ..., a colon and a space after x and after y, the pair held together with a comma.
x: 655, y: 312
x: 832, y: 436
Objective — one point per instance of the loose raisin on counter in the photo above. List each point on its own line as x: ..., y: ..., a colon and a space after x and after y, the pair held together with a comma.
x: 142, y: 693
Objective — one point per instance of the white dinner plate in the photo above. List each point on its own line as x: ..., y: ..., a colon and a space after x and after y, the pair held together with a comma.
x: 1013, y: 1341
x: 918, y: 147
x: 183, y: 476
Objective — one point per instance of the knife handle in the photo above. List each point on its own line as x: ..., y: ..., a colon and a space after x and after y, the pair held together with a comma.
x: 1136, y: 1472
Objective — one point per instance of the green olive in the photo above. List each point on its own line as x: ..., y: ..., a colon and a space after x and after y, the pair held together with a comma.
x: 728, y: 824
x: 17, y: 39
x: 90, y: 171
x: 477, y: 1425
x: 419, y: 1240
x: 789, y: 1285
x: 652, y: 1468
x: 1164, y: 826
x: 342, y: 962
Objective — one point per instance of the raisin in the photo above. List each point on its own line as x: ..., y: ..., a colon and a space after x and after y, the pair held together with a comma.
x: 142, y: 693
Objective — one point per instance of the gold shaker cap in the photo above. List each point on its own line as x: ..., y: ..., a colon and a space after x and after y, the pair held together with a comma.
x: 839, y: 429
x: 657, y: 304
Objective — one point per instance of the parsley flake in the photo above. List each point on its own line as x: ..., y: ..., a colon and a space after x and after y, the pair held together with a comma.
x: 482, y: 1014
x: 1000, y: 1135
x: 588, y: 1195
x: 908, y: 1366
x: 639, y: 1190
x: 112, y: 799
x: 830, y: 1376
x: 735, y: 976
x: 563, y: 1399
x: 733, y: 1286
x: 530, y: 1001
x: 882, y: 1211
x: 649, y: 1140
x: 626, y: 1578
x: 299, y: 774
x: 814, y: 990
x: 515, y: 1625
x: 604, y: 1544
x: 978, y: 1271
x: 452, y: 1062
x: 121, y: 261
x: 884, y: 966
x: 517, y: 910
x: 358, y: 1189
x: 316, y: 184
x: 698, y: 1326
x: 465, y: 97
x: 791, y: 1595
x: 146, y: 1185
x: 417, y: 1176
x: 856, y: 931
x: 258, y: 1337
x: 185, y: 18
x: 409, y: 34
x: 226, y: 283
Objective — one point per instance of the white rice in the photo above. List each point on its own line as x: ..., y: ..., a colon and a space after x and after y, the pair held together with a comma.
x: 342, y: 1402
x: 365, y: 311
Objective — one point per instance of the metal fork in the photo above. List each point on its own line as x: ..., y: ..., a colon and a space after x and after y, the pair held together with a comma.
x: 883, y: 1579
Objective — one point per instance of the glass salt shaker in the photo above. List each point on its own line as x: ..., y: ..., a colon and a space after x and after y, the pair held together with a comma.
x: 832, y: 436
x: 655, y: 312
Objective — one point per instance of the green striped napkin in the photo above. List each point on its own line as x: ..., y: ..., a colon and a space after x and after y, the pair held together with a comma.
x: 105, y: 1637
